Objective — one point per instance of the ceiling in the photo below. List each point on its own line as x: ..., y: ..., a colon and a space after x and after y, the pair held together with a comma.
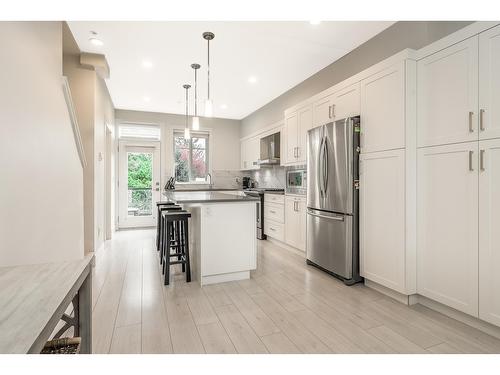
x: 150, y: 61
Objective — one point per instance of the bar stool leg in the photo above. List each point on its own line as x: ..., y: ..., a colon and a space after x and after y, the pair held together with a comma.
x: 166, y: 257
x: 186, y: 250
x: 158, y: 231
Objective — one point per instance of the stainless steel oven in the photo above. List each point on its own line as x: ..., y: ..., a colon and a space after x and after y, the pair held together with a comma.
x: 296, y: 181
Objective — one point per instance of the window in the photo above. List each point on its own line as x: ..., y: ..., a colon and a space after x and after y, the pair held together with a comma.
x: 191, y: 157
x: 143, y: 131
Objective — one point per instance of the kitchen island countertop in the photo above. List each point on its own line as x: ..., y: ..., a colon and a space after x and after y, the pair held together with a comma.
x: 183, y: 197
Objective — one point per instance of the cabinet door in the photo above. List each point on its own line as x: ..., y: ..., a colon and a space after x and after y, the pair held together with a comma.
x: 447, y: 225
x: 243, y: 152
x: 253, y: 153
x: 345, y: 103
x: 447, y: 97
x: 305, y: 123
x: 291, y: 135
x: 322, y: 111
x: 383, y: 110
x: 489, y: 84
x: 489, y: 233
x: 302, y: 214
x: 382, y: 218
x: 292, y: 222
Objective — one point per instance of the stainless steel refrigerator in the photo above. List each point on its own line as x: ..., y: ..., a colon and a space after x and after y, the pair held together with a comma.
x: 332, y: 198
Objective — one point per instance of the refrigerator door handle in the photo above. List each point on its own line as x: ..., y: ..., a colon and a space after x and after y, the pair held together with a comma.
x: 325, y: 166
x: 337, y: 218
x: 320, y: 168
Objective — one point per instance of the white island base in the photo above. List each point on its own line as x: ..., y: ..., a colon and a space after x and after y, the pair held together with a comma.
x: 223, y: 243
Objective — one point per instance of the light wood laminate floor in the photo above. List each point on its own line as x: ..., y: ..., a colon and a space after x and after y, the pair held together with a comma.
x: 286, y: 307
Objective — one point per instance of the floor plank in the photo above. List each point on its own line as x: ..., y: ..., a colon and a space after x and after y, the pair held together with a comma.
x: 126, y: 340
x: 215, y: 339
x: 278, y: 343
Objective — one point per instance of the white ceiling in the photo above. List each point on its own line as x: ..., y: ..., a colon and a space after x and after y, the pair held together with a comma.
x: 278, y: 54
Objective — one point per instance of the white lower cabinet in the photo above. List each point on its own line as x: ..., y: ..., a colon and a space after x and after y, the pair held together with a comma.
x: 382, y: 219
x: 447, y: 225
x: 274, y: 216
x: 489, y: 231
x: 295, y: 222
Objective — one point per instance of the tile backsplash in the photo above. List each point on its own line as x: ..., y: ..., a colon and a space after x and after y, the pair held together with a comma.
x: 269, y: 177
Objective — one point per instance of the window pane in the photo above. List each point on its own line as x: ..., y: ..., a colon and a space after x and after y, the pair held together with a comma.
x: 199, y: 143
x: 181, y: 142
x: 199, y: 166
x: 182, y: 165
x: 139, y: 131
x: 139, y: 183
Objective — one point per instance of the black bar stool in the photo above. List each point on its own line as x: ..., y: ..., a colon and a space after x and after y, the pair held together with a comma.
x: 173, y: 237
x: 176, y: 222
x: 159, y: 205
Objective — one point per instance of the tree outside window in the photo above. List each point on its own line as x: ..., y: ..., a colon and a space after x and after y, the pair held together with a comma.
x: 191, y: 157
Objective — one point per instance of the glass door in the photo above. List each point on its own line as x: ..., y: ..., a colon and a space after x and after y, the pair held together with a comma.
x: 138, y: 184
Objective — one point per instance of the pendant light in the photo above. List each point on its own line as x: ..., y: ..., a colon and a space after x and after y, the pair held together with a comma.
x: 187, y: 133
x: 208, y: 36
x: 196, y: 119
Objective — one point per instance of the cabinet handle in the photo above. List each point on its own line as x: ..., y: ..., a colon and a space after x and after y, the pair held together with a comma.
x: 481, y: 160
x: 333, y: 110
x: 471, y: 168
x: 298, y: 152
x: 274, y: 230
x: 272, y: 211
x: 471, y: 127
x: 481, y: 125
x: 329, y: 111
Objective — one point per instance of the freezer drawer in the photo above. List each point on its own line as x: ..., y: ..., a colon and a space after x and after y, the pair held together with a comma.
x: 329, y: 242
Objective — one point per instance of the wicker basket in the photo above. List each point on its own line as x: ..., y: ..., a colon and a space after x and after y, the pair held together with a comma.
x: 67, y: 345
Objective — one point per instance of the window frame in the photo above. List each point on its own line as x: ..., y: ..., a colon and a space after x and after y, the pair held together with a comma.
x: 208, y: 144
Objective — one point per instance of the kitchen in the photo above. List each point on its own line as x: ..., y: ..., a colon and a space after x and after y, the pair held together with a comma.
x: 346, y: 206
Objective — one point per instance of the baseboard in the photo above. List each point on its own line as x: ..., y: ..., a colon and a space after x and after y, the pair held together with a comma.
x: 286, y: 246
x: 474, y: 322
x: 400, y: 297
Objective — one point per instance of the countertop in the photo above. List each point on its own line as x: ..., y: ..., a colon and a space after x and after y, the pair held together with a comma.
x: 208, y: 189
x: 205, y: 197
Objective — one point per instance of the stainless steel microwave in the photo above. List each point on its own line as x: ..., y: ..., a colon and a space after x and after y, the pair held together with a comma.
x: 296, y: 181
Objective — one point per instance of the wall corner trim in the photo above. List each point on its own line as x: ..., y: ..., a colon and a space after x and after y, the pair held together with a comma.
x: 96, y: 61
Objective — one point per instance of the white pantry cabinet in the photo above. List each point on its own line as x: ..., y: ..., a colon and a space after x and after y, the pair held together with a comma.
x: 447, y: 225
x: 338, y: 105
x: 382, y: 219
x: 383, y: 109
x: 295, y: 221
x: 489, y: 84
x: 297, y: 124
x: 489, y: 231
x: 448, y: 95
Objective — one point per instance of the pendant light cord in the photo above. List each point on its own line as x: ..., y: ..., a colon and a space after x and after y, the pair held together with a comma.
x: 195, y: 94
x: 187, y: 122
x: 208, y: 68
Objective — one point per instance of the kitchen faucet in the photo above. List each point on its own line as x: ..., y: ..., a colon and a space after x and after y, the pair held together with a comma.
x: 209, y: 175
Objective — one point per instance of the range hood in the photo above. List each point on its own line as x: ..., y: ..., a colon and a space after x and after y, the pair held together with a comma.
x: 270, y: 150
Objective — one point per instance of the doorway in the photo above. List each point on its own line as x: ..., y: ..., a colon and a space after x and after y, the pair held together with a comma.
x: 138, y: 183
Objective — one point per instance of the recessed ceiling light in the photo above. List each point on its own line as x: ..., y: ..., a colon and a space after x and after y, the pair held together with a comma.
x: 252, y: 79
x: 314, y: 22
x: 96, y: 42
x: 223, y: 106
x: 147, y: 64
x: 147, y: 99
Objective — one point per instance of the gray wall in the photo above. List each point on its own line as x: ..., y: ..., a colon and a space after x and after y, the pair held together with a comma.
x: 401, y: 35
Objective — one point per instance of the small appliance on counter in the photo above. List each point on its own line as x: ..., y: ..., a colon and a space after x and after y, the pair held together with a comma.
x: 246, y: 182
x: 170, y: 185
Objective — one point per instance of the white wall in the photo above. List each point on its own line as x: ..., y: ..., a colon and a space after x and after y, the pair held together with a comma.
x: 225, y: 138
x: 41, y: 183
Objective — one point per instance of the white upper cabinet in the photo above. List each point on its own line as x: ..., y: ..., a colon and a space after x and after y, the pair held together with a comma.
x: 447, y: 98
x: 297, y: 124
x: 447, y: 225
x: 489, y: 84
x: 383, y: 110
x: 341, y: 104
x: 304, y: 116
x: 345, y: 102
x: 489, y: 233
x: 382, y: 219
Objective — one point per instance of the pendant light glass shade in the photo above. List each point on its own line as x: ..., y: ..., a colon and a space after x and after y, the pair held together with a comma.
x: 209, y: 110
x: 196, y: 123
x: 187, y: 133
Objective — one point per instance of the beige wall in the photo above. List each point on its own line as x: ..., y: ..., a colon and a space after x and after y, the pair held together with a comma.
x: 225, y: 141
x: 41, y: 190
x: 94, y: 109
x: 401, y: 35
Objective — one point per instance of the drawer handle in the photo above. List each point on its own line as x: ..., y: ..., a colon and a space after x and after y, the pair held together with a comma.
x: 272, y: 211
x: 274, y: 230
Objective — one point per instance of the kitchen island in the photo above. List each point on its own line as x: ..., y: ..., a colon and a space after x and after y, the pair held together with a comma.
x: 222, y: 234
